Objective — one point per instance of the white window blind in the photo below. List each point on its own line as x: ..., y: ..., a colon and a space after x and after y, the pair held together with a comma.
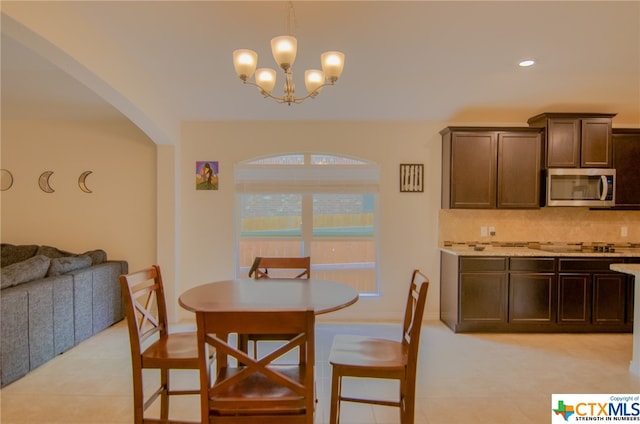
x: 307, y: 178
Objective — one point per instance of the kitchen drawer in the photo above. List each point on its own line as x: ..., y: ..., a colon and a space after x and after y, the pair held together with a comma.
x: 586, y: 265
x: 483, y: 264
x: 532, y: 264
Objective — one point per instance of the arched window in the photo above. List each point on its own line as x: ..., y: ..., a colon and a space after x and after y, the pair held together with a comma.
x: 323, y: 206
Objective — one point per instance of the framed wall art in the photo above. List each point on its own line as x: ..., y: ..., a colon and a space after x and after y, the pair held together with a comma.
x: 206, y: 175
x: 411, y: 178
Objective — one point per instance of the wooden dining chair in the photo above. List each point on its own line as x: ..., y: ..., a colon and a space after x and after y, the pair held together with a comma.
x: 152, y: 346
x: 281, y: 267
x: 289, y: 268
x: 256, y: 390
x: 370, y: 357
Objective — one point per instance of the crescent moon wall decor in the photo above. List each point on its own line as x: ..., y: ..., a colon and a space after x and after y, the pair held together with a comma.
x: 43, y: 182
x: 6, y: 180
x: 82, y: 181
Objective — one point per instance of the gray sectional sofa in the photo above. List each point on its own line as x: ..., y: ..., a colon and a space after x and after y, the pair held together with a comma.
x: 50, y: 301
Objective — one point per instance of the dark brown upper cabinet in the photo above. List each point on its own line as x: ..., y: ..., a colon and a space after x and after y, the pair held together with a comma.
x: 626, y: 161
x: 489, y: 167
x: 576, y: 140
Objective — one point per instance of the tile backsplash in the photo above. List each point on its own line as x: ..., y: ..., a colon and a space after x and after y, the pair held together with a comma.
x: 557, y: 224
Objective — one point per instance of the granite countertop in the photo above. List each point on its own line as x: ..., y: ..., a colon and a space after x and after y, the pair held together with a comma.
x: 541, y: 250
x: 633, y: 269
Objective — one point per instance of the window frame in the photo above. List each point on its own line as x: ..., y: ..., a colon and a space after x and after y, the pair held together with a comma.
x: 261, y: 176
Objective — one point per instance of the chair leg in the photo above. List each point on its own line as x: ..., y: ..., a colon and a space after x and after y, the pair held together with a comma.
x: 407, y: 406
x: 336, y: 386
x: 409, y: 411
x: 138, y: 398
x: 164, y: 396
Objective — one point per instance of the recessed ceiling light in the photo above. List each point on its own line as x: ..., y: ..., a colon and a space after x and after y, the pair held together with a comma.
x: 526, y: 63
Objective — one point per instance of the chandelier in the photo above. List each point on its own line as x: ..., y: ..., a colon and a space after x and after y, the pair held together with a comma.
x: 284, y: 49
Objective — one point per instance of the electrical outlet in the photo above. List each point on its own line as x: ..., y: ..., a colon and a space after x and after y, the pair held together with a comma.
x: 624, y: 231
x: 492, y: 231
x: 483, y: 231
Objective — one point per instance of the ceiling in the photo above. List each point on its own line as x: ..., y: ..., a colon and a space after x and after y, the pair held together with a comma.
x: 447, y: 61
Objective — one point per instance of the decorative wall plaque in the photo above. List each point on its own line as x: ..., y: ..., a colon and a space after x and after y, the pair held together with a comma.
x: 411, y: 178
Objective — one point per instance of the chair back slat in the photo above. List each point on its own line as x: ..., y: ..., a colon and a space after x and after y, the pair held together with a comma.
x: 251, y: 365
x: 281, y: 267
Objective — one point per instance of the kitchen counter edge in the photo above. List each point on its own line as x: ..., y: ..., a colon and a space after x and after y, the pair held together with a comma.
x: 525, y: 251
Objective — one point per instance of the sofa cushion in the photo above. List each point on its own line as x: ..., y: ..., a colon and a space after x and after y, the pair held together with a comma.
x: 60, y: 266
x: 22, y: 272
x: 97, y: 256
x: 53, y: 252
x: 11, y: 254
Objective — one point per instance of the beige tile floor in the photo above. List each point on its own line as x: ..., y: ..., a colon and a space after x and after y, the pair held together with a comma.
x: 479, y: 378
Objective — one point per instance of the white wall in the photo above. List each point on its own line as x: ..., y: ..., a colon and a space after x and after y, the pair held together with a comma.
x: 408, y: 221
x: 119, y: 216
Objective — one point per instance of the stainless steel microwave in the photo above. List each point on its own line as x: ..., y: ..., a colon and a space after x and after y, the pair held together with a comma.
x: 593, y: 187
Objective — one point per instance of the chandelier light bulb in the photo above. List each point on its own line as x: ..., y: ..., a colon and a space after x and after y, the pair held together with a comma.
x: 284, y: 49
x: 313, y: 80
x: 266, y: 79
x: 245, y: 62
x: 332, y: 65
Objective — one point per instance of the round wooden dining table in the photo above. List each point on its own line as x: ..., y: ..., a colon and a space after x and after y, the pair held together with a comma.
x: 322, y: 296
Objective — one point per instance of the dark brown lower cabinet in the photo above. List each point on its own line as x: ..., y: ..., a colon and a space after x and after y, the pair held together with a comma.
x: 573, y: 299
x: 595, y: 298
x: 482, y: 298
x: 609, y: 299
x: 531, y: 299
x: 534, y: 294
